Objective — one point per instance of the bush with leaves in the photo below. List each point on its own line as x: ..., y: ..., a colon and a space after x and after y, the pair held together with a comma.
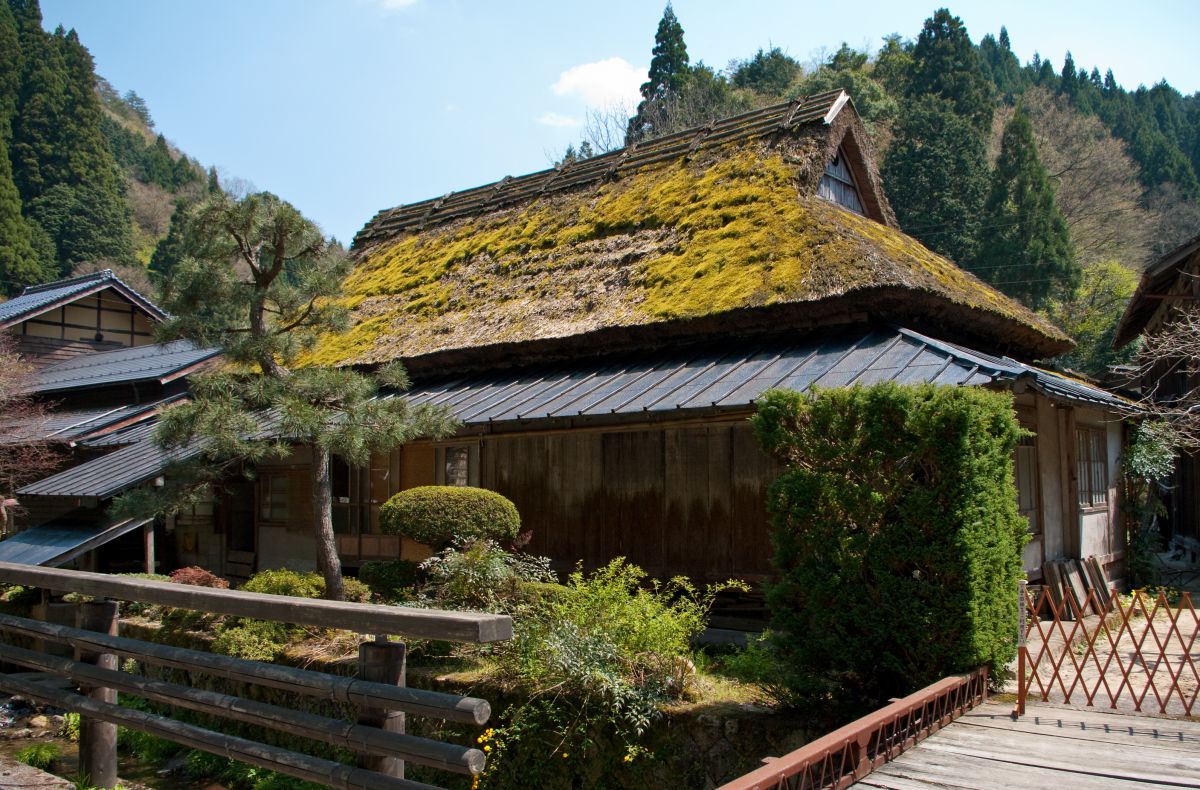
x: 479, y: 574
x: 41, y: 756
x: 595, y: 661
x: 391, y: 580
x: 198, y: 577
x: 897, y: 538
x: 1149, y: 460
x: 439, y: 515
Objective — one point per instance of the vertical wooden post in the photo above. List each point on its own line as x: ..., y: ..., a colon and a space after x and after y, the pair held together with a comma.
x: 1022, y: 626
x: 98, y: 739
x: 382, y: 662
x: 58, y: 613
x: 148, y: 542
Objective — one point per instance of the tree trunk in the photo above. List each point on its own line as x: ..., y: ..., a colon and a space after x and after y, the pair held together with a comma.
x: 322, y: 501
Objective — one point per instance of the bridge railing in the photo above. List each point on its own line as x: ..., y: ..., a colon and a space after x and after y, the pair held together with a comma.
x: 77, y: 669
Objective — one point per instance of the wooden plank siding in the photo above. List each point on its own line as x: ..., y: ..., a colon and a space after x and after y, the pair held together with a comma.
x: 674, y: 500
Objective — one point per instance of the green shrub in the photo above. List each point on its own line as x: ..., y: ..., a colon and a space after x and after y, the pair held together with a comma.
x: 392, y: 580
x: 354, y: 590
x: 39, y: 755
x: 896, y: 535
x: 481, y: 575
x: 286, y: 582
x: 256, y: 640
x: 439, y: 515
x: 597, y: 658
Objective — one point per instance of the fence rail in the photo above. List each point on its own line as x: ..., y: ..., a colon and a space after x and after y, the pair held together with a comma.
x: 1138, y: 652
x: 379, y: 692
x: 848, y: 754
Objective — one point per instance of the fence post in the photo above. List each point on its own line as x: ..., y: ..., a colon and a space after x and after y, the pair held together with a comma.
x: 98, y: 739
x: 1022, y: 627
x: 382, y: 661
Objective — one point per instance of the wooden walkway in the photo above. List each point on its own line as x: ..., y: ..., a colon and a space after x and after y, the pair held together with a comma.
x: 1052, y: 748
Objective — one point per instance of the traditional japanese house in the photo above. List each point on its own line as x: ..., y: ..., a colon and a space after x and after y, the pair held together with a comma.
x: 602, y: 330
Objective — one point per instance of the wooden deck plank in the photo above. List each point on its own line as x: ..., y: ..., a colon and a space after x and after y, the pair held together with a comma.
x: 1050, y: 748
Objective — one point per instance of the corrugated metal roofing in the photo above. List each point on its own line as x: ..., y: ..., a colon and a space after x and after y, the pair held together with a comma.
x: 38, y: 298
x: 156, y: 362
x: 736, y: 376
x: 729, y: 377
x: 75, y: 424
x: 55, y: 545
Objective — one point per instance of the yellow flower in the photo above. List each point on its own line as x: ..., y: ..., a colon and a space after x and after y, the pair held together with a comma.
x: 487, y: 748
x: 629, y: 758
x: 566, y: 755
x: 479, y: 739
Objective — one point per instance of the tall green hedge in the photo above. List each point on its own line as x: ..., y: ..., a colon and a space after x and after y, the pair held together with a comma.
x: 896, y: 535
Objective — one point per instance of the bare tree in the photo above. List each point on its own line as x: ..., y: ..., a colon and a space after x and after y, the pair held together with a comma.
x: 1096, y: 183
x: 604, y: 129
x: 1169, y: 360
x: 24, y: 455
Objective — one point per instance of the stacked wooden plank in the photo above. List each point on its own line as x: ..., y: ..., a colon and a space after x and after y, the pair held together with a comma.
x: 1077, y: 586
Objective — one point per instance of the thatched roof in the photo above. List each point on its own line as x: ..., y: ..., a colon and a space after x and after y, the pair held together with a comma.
x: 706, y: 232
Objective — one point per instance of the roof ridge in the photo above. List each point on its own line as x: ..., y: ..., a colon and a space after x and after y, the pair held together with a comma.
x: 813, y: 109
x: 103, y: 274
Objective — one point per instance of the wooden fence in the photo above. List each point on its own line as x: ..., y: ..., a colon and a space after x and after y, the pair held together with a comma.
x: 1135, y: 653
x: 848, y: 754
x: 86, y: 652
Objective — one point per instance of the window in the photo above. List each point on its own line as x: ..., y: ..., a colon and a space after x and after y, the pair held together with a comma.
x: 1026, y: 465
x: 273, y: 498
x: 1092, y: 466
x: 838, y: 184
x: 458, y: 465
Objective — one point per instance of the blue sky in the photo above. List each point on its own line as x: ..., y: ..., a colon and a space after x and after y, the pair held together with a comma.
x: 347, y: 107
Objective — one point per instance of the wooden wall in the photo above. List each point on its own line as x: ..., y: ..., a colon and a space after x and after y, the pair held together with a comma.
x: 674, y: 500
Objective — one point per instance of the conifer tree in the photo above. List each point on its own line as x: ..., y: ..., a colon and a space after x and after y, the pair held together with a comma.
x: 261, y: 283
x: 19, y: 263
x: 1025, y: 248
x: 945, y: 64
x: 669, y: 70
x: 38, y: 159
x: 11, y: 66
x: 936, y: 172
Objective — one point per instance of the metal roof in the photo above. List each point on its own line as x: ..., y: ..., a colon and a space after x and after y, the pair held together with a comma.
x: 110, y: 474
x: 733, y: 376
x: 56, y: 545
x: 38, y: 299
x: 77, y: 424
x: 160, y: 362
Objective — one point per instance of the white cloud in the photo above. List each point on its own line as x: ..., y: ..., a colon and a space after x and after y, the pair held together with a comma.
x: 603, y: 83
x: 560, y: 121
x: 391, y: 6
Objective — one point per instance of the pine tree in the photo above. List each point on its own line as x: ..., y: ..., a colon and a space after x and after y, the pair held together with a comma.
x: 19, y: 263
x: 38, y: 158
x: 936, y: 172
x: 261, y: 282
x: 945, y: 64
x: 1025, y: 248
x: 11, y: 66
x: 669, y: 70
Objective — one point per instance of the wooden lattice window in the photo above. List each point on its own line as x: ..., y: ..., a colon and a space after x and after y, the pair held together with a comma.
x: 273, y: 497
x: 458, y: 465
x: 837, y: 184
x: 1026, y: 466
x: 1092, y: 466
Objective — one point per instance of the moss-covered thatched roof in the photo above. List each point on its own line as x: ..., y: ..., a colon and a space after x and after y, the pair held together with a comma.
x: 707, y: 232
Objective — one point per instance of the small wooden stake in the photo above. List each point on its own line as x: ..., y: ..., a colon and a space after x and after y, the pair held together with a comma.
x: 382, y: 662
x: 98, y: 739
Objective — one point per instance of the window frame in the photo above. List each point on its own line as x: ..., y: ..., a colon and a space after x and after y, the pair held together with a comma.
x: 1091, y: 467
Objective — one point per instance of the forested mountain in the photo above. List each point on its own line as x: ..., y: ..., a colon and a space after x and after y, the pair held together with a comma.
x: 85, y: 182
x: 1057, y: 185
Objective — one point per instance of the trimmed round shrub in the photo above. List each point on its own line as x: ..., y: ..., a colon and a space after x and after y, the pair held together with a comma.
x: 286, y: 582
x: 390, y: 579
x: 439, y: 515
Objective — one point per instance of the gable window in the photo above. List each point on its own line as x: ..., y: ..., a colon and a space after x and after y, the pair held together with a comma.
x: 1027, y: 483
x: 838, y: 184
x: 1092, y: 466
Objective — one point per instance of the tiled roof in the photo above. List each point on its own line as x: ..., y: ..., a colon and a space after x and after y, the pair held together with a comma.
x: 37, y: 299
x: 160, y: 362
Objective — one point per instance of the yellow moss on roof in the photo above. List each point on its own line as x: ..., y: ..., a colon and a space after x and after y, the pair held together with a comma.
x: 675, y: 241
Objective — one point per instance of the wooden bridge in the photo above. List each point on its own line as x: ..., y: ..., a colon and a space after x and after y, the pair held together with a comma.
x: 78, y: 645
